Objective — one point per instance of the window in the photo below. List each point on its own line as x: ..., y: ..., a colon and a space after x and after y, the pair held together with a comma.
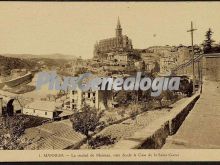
x: 73, y: 100
x: 94, y: 101
x: 73, y: 92
x: 88, y: 95
x: 93, y: 94
x: 34, y: 111
x: 45, y: 113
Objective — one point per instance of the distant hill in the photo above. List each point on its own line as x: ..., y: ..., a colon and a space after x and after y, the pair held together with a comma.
x: 48, y: 56
x: 9, y: 63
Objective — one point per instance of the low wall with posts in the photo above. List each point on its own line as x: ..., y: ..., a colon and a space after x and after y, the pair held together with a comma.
x: 154, y: 135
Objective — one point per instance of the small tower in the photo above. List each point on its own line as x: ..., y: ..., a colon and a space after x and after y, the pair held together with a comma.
x: 96, y: 50
x: 118, y: 29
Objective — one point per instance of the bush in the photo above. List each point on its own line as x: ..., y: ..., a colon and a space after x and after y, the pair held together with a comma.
x: 144, y: 108
x: 133, y: 113
x: 99, y: 141
x: 111, y: 119
x: 121, y: 112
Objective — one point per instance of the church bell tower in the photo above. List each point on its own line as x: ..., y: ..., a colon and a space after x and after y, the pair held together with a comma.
x: 118, y: 29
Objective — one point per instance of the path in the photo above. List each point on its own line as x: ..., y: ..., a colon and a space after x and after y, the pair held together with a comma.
x: 201, y: 128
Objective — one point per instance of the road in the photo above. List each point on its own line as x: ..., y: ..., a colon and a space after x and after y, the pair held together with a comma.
x: 201, y: 128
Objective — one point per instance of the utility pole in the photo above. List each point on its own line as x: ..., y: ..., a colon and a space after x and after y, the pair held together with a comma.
x: 191, y: 31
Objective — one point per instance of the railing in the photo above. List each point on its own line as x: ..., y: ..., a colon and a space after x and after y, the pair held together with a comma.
x: 212, y: 55
x: 186, y: 64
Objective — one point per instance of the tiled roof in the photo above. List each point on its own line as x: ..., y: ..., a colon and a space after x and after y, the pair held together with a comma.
x: 43, y: 105
x: 55, y: 135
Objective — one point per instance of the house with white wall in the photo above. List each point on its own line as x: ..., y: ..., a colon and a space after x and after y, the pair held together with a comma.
x: 46, y: 109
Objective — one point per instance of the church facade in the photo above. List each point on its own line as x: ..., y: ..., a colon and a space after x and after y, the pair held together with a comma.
x: 119, y: 43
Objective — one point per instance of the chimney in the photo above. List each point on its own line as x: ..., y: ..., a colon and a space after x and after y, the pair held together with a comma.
x: 1, y: 106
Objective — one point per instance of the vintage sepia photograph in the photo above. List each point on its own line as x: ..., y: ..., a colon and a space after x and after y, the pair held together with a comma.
x: 108, y: 76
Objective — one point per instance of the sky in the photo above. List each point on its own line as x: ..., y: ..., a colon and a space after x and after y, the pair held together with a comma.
x: 73, y: 28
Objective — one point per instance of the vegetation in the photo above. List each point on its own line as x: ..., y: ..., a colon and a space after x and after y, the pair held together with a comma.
x: 165, y: 95
x: 208, y: 43
x: 133, y: 113
x: 156, y: 68
x: 126, y: 97
x: 11, y: 129
x: 111, y: 119
x: 186, y: 87
x: 86, y: 120
x: 99, y: 141
x: 121, y: 112
x: 81, y: 70
x: 9, y: 63
x: 135, y: 55
x: 121, y: 97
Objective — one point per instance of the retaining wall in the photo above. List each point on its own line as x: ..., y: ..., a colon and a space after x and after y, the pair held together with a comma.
x: 212, y: 67
x: 154, y: 135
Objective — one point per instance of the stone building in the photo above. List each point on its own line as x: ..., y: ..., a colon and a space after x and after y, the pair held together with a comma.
x: 118, y: 43
x: 96, y: 99
x: 44, y: 109
x: 167, y: 63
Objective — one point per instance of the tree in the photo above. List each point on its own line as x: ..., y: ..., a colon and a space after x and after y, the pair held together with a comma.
x: 11, y: 128
x: 121, y: 96
x: 165, y: 95
x: 190, y: 89
x: 86, y: 120
x: 207, y: 45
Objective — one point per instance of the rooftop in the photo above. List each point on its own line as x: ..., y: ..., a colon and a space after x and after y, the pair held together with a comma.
x: 43, y: 105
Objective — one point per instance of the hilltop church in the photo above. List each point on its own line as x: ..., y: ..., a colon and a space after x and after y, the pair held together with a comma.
x: 119, y: 43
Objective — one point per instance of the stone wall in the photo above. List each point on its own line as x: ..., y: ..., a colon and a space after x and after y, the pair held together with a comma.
x: 154, y: 135
x: 212, y: 68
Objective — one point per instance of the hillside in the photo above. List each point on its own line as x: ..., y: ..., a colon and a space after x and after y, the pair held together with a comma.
x: 9, y: 63
x: 47, y: 56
